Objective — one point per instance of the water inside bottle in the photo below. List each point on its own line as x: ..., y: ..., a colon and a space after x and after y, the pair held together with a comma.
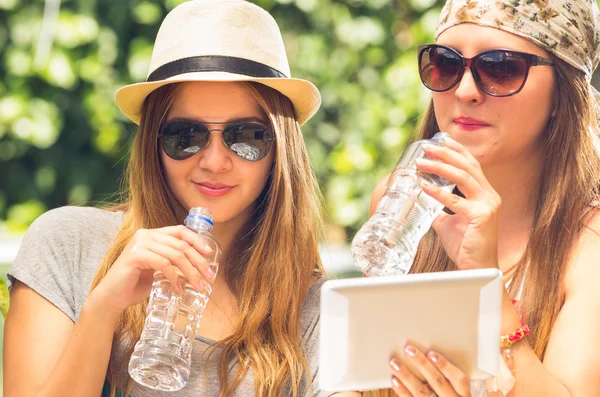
x: 163, y: 354
x: 387, y: 243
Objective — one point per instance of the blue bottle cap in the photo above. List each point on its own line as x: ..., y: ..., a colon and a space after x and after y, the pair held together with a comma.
x: 200, y: 217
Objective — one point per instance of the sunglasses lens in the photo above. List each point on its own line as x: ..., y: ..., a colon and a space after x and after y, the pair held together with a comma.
x: 181, y: 140
x: 500, y: 72
x: 250, y: 141
x: 439, y: 68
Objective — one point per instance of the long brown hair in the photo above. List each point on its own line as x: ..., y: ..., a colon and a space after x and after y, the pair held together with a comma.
x: 270, y: 269
x: 569, y: 184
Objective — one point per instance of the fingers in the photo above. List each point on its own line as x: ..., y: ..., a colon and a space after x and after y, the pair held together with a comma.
x: 460, y: 149
x: 399, y: 388
x: 459, y: 194
x: 459, y: 381
x: 179, y: 259
x: 164, y: 265
x: 456, y: 155
x: 456, y: 164
x: 466, y: 183
x: 453, y: 202
x: 175, y: 251
x: 442, y: 378
x: 192, y: 238
x: 436, y: 380
x: 199, y: 262
x: 405, y: 383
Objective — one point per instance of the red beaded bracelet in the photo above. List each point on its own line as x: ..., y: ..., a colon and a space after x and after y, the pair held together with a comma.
x: 506, y: 341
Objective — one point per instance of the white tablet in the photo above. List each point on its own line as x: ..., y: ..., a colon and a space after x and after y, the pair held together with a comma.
x: 364, y: 320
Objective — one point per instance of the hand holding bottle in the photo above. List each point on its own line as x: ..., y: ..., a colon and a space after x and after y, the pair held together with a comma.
x: 470, y: 237
x: 172, y: 250
x: 387, y: 243
x: 162, y: 357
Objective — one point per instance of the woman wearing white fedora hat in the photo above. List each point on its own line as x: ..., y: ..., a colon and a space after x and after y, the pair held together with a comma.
x: 219, y: 127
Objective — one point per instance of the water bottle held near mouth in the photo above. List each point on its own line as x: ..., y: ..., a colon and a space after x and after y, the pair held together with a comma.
x: 162, y: 357
x: 387, y: 243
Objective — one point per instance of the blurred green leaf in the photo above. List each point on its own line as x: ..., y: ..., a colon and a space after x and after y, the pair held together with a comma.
x: 170, y: 4
x: 147, y: 13
x: 40, y: 125
x: 45, y: 179
x: 11, y: 107
x: 21, y: 215
x: 59, y: 70
x: 25, y: 26
x: 8, y: 4
x: 75, y: 29
x: 360, y: 32
x: 306, y: 5
x: 4, y: 298
x: 79, y: 194
x: 139, y: 60
x: 18, y: 61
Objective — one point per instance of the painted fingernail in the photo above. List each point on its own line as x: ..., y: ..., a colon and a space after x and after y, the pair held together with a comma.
x: 211, y: 273
x: 179, y: 288
x: 395, y: 381
x: 200, y: 286
x: 411, y: 351
x: 395, y: 364
x: 433, y: 356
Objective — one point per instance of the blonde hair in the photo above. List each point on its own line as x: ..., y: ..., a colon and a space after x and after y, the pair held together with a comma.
x: 569, y: 184
x: 278, y: 247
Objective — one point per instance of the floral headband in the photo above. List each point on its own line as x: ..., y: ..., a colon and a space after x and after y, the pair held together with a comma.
x: 569, y: 29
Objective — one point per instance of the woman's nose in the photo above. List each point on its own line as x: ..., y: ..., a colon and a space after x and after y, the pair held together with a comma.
x: 215, y: 156
x: 467, y: 89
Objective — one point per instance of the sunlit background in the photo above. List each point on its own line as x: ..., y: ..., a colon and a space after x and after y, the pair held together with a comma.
x: 63, y: 141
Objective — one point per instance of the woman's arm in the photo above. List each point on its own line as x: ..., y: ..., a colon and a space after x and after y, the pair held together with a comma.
x: 571, y: 367
x: 45, y: 354
x: 573, y: 351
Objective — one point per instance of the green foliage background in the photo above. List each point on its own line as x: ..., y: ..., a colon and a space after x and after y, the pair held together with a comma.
x: 62, y: 139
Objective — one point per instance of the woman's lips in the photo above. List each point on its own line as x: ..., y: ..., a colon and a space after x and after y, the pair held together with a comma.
x: 469, y: 124
x: 214, y: 190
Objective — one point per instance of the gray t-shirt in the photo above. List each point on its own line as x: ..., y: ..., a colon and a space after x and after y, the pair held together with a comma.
x: 59, y: 256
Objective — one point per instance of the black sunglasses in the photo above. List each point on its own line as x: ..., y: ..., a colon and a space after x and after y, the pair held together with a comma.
x: 496, y: 72
x: 183, y: 139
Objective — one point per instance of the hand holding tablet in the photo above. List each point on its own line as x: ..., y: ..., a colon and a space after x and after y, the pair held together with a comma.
x: 365, y: 320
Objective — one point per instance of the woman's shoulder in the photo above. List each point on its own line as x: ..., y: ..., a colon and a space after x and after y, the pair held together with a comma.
x: 313, y: 295
x: 311, y: 306
x: 584, y: 267
x: 60, y: 252
x: 74, y: 224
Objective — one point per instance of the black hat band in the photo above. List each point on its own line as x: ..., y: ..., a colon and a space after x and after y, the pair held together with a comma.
x: 214, y: 63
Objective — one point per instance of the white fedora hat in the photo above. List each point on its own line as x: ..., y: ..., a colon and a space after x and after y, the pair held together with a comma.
x: 220, y: 40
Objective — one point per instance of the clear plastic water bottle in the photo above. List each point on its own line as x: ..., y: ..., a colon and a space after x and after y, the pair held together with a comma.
x: 387, y: 243
x: 162, y: 357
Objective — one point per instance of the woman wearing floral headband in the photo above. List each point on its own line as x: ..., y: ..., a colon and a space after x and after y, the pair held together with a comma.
x: 511, y: 84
